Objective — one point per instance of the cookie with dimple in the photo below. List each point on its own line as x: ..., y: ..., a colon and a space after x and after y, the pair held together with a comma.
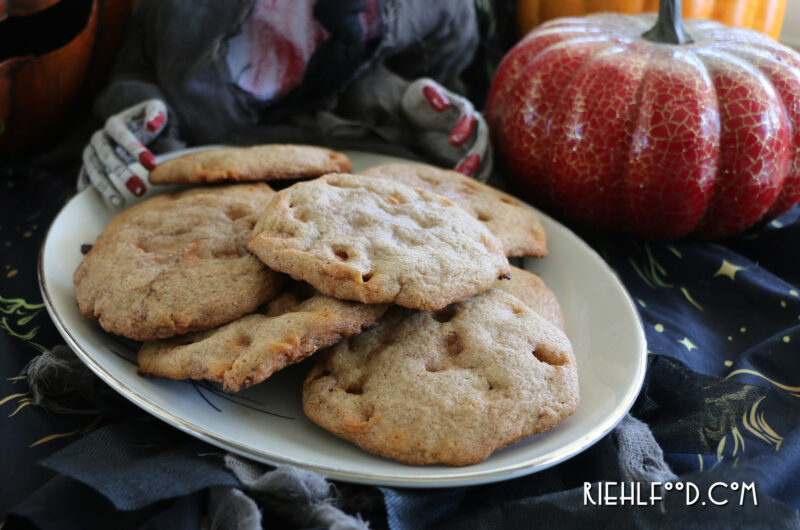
x: 177, y: 263
x: 447, y: 387
x: 374, y: 241
x: 529, y: 288
x: 261, y: 162
x: 249, y: 350
x: 517, y: 225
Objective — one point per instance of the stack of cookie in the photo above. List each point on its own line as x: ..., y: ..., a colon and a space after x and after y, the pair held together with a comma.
x: 435, y: 349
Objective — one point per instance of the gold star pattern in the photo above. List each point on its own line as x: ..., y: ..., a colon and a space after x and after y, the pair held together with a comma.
x: 728, y: 269
x: 689, y: 344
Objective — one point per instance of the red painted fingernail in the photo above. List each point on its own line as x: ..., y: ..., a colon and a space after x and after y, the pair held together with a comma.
x: 463, y: 130
x: 470, y: 164
x: 136, y: 186
x: 438, y: 101
x: 156, y: 123
x: 147, y: 160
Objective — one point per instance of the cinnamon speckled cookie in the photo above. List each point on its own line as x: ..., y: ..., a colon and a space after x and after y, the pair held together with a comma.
x: 249, y: 350
x: 529, y: 288
x: 447, y: 387
x: 514, y: 223
x: 261, y: 162
x: 374, y: 241
x: 177, y: 263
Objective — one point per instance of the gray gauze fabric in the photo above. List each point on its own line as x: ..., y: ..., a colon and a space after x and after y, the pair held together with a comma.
x: 231, y: 509
x: 58, y: 373
x: 175, y: 50
x: 640, y: 457
x: 303, y: 497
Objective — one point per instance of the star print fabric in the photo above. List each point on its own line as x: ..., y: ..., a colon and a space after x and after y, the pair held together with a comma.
x: 722, y: 322
x: 707, y: 305
x: 721, y: 395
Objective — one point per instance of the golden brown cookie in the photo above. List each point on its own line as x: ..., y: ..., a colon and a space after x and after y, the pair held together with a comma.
x: 374, y: 241
x: 447, y: 387
x: 529, y: 288
x: 517, y: 225
x: 249, y: 350
x: 261, y: 162
x: 177, y: 263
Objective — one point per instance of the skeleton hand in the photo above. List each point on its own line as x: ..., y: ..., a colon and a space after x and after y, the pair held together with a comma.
x: 118, y: 144
x: 450, y: 128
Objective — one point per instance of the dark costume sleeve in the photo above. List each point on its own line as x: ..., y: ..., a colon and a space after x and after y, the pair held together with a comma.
x: 350, y: 94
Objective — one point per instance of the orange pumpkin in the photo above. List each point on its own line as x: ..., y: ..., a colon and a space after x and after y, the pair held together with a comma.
x: 49, y: 51
x: 765, y: 16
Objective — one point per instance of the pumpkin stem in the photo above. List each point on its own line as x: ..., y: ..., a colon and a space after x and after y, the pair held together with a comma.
x: 669, y: 26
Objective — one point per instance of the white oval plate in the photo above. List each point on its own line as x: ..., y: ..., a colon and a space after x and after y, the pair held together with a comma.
x: 266, y: 422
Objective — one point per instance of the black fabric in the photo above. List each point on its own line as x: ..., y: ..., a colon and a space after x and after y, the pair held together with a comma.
x: 722, y: 392
x: 498, y: 33
x: 722, y: 409
x: 88, y: 510
x: 566, y: 509
x: 162, y: 463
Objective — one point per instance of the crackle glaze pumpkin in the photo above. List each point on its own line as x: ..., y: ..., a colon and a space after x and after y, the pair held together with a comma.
x: 623, y: 132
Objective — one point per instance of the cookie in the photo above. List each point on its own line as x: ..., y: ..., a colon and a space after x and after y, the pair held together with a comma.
x: 177, y: 263
x: 374, y: 241
x: 517, y: 225
x: 261, y: 162
x: 249, y: 350
x: 529, y: 288
x: 447, y: 387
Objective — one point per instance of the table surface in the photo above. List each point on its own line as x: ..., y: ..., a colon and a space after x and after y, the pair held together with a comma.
x: 721, y: 397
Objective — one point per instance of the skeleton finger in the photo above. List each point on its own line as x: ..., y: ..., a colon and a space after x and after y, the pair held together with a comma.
x: 83, y: 179
x: 150, y: 121
x: 155, y: 115
x: 118, y: 130
x: 437, y: 99
x: 479, y: 151
x: 118, y: 171
x: 98, y: 178
x: 463, y: 129
x: 430, y: 106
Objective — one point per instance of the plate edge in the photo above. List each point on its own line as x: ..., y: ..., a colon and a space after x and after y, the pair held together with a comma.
x: 505, y: 473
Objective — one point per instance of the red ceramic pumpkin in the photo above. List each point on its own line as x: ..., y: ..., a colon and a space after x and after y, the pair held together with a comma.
x: 659, y: 134
x: 49, y: 51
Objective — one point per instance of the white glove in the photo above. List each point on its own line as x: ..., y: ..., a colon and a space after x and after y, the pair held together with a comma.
x: 120, y: 143
x: 449, y: 127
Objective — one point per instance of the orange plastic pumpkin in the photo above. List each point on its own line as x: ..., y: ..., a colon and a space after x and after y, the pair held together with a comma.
x: 49, y: 51
x: 765, y: 16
